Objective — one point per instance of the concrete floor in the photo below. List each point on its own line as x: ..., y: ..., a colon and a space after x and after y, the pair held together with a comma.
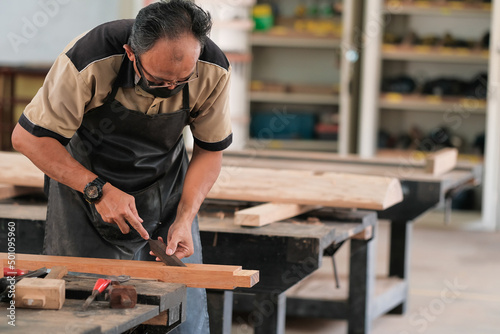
x: 454, y: 281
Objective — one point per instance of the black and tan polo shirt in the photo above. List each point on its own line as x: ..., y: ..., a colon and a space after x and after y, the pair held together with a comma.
x: 83, y: 74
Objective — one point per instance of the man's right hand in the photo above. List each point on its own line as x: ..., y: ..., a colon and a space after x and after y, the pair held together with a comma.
x: 118, y: 207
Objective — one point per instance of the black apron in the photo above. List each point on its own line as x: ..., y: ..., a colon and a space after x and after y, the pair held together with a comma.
x: 143, y: 155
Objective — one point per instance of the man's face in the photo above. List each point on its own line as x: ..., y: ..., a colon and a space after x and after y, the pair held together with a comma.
x: 169, y: 62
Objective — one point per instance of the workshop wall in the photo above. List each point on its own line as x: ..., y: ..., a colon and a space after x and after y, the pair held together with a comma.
x: 35, y: 31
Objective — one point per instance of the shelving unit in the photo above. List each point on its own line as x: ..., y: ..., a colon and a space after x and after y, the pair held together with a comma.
x: 419, y: 51
x: 467, y: 115
x: 304, y: 74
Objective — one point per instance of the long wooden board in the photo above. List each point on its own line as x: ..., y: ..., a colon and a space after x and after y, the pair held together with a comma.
x: 262, y: 185
x: 194, y: 275
x: 307, y: 187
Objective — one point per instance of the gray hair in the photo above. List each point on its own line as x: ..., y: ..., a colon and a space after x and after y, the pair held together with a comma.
x: 170, y: 19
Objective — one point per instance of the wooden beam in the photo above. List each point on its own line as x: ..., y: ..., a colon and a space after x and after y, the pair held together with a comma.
x: 270, y: 212
x: 441, y: 161
x: 307, y: 187
x: 261, y: 185
x: 16, y: 169
x: 9, y: 191
x: 194, y: 275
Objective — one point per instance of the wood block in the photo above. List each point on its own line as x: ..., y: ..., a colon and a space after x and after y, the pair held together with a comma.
x: 442, y: 161
x: 57, y: 272
x: 194, y: 275
x: 270, y: 212
x: 160, y: 320
x: 40, y: 293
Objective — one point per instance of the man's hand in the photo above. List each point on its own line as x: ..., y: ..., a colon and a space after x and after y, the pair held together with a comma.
x: 180, y: 241
x: 118, y: 207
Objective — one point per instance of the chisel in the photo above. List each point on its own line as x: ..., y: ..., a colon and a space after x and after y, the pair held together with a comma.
x: 159, y: 249
x: 99, y: 287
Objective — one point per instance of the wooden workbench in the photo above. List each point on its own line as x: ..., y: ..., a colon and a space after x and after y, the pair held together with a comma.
x: 283, y: 252
x: 164, y: 302
x: 422, y: 192
x: 250, y: 247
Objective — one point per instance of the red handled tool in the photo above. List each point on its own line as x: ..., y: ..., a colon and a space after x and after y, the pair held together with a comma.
x: 99, y: 287
x: 13, y: 272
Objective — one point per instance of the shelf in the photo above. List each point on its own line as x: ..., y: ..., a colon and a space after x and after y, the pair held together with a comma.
x: 297, y: 145
x: 434, y: 54
x: 263, y: 39
x: 452, y: 8
x: 431, y: 103
x: 316, y: 99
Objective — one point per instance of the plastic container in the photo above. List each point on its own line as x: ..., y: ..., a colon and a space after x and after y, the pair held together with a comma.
x: 263, y: 17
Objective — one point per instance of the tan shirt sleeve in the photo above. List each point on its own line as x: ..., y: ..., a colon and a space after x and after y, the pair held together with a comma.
x: 60, y: 104
x: 212, y: 128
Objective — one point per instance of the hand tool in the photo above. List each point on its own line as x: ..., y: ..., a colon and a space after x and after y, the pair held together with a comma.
x: 122, y: 296
x: 99, y: 287
x: 42, y: 293
x: 14, y: 271
x: 159, y: 249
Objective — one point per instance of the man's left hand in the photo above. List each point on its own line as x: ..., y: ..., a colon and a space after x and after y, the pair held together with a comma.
x: 179, y: 240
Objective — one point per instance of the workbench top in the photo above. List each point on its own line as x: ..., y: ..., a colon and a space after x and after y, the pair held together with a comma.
x: 153, y: 299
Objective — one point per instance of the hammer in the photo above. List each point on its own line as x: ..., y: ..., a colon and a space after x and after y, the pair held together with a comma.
x: 122, y: 296
x: 46, y: 293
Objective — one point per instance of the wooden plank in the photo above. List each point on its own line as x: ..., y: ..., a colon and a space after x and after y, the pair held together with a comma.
x: 270, y: 212
x: 307, y: 187
x: 16, y: 169
x: 194, y: 275
x: 442, y: 161
x: 261, y: 185
x: 9, y: 191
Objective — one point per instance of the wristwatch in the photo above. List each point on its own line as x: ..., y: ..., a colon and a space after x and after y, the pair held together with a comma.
x: 93, y: 190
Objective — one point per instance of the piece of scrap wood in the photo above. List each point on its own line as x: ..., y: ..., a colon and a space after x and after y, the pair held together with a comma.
x: 160, y: 320
x: 208, y: 276
x: 307, y: 188
x: 267, y: 213
x: 441, y: 161
x: 16, y: 169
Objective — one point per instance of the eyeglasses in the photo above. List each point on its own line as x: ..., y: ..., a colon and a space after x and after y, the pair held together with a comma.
x: 164, y: 83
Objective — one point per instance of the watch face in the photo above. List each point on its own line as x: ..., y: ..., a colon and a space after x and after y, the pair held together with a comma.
x: 92, y: 192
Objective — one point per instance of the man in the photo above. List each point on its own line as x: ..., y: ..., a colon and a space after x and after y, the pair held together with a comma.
x: 106, y: 128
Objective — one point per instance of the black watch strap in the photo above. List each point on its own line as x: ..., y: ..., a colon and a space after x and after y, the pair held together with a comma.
x: 99, y: 181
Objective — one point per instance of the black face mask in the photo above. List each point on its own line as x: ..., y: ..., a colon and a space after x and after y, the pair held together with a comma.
x: 160, y: 92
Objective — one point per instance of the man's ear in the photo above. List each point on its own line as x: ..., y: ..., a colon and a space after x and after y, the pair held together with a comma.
x: 130, y: 53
